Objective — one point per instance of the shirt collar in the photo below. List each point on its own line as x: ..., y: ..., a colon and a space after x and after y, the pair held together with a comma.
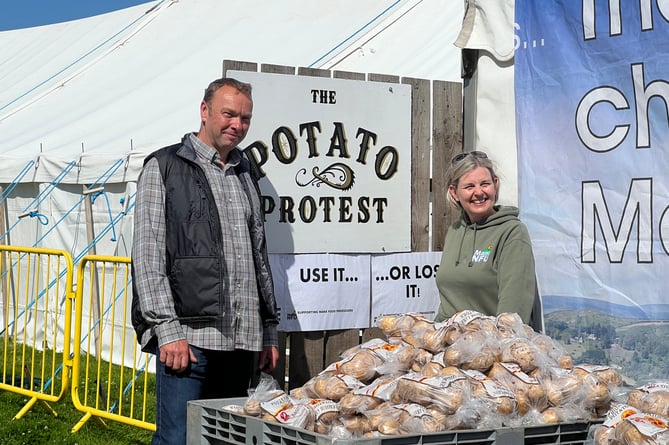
x: 209, y: 154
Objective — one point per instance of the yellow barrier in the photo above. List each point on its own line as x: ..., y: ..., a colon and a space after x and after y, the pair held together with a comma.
x: 99, y: 388
x: 36, y: 284
x: 95, y: 352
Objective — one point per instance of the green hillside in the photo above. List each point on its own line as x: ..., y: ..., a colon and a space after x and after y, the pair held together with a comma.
x: 639, y: 350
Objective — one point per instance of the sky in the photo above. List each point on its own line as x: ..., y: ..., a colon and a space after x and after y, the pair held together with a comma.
x: 17, y: 14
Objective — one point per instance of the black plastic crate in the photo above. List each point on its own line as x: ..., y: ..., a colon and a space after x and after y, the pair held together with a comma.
x: 210, y: 424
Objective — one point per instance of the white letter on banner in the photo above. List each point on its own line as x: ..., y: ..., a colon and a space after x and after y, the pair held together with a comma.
x: 637, y: 207
x: 642, y: 95
x: 593, y: 97
x: 588, y: 19
x: 615, y: 16
x: 663, y: 6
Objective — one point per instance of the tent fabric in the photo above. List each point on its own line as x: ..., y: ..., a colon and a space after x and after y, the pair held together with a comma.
x: 114, y: 87
x: 488, y: 25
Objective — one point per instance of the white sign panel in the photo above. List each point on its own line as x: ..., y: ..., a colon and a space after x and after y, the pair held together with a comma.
x: 405, y: 282
x: 322, y: 291
x: 334, y: 157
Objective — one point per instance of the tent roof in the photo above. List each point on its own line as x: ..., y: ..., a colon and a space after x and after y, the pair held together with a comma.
x: 107, y: 90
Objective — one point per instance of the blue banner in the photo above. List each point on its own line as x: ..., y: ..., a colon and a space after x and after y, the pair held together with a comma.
x: 592, y: 94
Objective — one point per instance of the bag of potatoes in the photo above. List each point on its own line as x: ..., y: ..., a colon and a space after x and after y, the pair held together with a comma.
x: 368, y: 397
x: 598, y: 384
x: 522, y: 352
x: 642, y: 429
x: 604, y: 434
x: 375, y: 357
x: 330, y: 386
x: 473, y: 350
x: 399, y: 325
x: 267, y: 389
x: 470, y: 321
x: 651, y: 398
x: 429, y: 336
x: 510, y: 325
x: 499, y: 398
x: 434, y: 366
x: 323, y: 414
x: 563, y: 386
x: 283, y: 409
x: 417, y: 419
x: 553, y: 350
x: 529, y: 392
x: 362, y: 365
x: 442, y: 391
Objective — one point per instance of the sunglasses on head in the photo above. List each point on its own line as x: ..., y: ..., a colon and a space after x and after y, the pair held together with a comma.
x: 460, y: 156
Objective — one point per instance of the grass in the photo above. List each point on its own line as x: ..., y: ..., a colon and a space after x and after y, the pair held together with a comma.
x: 39, y: 425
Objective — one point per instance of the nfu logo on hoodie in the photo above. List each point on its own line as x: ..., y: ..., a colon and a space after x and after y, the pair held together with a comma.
x: 481, y: 256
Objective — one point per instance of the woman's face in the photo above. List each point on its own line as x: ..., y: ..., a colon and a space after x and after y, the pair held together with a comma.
x: 477, y: 193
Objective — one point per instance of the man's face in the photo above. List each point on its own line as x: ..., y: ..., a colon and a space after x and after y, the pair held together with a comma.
x: 225, y: 120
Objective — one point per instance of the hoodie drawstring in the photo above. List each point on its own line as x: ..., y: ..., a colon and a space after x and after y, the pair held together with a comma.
x: 471, y: 263
x: 462, y: 241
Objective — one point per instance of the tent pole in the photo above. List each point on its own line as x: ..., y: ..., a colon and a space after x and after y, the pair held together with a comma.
x: 3, y: 260
x: 95, y: 298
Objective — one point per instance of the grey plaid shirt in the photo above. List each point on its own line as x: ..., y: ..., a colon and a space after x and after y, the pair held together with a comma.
x: 242, y: 327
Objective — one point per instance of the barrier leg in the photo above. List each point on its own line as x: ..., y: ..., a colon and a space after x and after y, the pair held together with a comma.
x: 30, y: 404
x: 84, y: 419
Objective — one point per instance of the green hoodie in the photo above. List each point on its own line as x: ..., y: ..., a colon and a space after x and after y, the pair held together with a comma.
x: 487, y: 267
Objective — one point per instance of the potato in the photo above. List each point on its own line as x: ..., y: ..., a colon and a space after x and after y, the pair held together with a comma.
x: 472, y: 350
x: 553, y: 350
x: 358, y: 403
x: 522, y: 352
x: 529, y: 392
x: 356, y: 424
x: 328, y: 386
x: 362, y: 365
x: 550, y: 415
x: 510, y: 325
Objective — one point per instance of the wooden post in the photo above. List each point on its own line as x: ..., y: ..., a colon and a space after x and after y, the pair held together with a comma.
x: 447, y: 142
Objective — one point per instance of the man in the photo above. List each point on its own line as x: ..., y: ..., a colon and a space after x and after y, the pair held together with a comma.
x: 203, y: 297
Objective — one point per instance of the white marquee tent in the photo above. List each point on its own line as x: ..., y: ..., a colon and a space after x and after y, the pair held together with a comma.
x: 83, y: 102
x: 127, y: 82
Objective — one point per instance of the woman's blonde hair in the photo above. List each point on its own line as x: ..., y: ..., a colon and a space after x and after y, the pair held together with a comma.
x: 462, y: 164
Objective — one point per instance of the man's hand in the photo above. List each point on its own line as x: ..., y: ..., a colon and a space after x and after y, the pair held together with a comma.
x: 269, y: 356
x: 177, y: 355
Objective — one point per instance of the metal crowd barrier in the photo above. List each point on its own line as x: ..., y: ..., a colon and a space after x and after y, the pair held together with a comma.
x: 99, y: 387
x: 109, y: 373
x: 36, y: 292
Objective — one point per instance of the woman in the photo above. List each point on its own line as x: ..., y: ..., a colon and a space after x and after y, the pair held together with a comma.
x: 487, y: 264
